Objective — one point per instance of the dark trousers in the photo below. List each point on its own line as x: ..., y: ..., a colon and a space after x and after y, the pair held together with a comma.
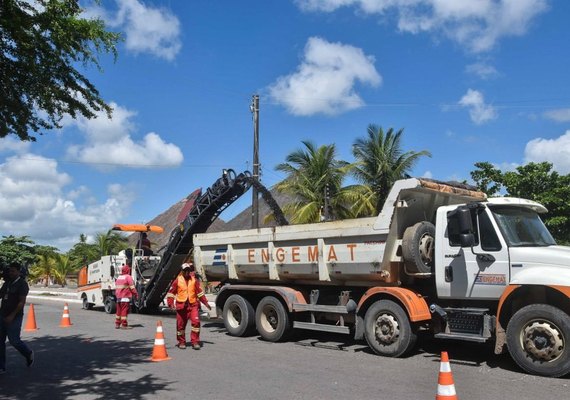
x: 12, y: 332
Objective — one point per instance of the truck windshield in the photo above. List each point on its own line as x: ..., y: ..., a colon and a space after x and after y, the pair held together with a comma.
x: 522, y: 227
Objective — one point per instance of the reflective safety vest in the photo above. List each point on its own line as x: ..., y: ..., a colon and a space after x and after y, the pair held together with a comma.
x: 124, y: 287
x: 186, y: 290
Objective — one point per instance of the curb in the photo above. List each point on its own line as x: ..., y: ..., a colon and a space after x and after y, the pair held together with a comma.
x: 64, y: 300
x: 53, y: 293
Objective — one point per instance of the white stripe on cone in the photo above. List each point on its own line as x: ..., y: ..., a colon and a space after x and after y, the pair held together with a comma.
x: 445, y: 367
x: 159, y: 342
x: 446, y: 390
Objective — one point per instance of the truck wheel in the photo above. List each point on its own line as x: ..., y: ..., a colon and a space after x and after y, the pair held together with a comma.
x: 86, y: 305
x: 538, y: 339
x: 272, y: 320
x: 110, y: 305
x: 387, y: 329
x: 238, y: 315
x: 418, y: 247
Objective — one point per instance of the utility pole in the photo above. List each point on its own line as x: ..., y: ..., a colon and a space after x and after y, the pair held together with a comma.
x: 255, y: 200
x: 326, y: 210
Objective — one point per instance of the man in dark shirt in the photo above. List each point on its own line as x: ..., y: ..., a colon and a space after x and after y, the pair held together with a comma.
x: 13, y: 294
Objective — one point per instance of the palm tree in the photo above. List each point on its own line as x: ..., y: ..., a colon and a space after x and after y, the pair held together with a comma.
x: 314, y: 179
x: 82, y: 253
x: 44, y: 268
x: 380, y: 161
x: 62, y: 268
x: 110, y: 242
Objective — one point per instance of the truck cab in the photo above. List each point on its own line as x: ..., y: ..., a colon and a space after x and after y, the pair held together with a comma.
x: 508, y: 237
x: 498, y: 253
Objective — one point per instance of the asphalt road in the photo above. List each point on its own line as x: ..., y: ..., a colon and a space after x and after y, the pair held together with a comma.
x: 92, y: 360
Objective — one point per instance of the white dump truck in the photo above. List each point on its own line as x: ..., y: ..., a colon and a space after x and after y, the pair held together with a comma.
x: 439, y: 258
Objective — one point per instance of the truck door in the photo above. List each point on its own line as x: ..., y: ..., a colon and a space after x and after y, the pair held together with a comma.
x: 478, y: 273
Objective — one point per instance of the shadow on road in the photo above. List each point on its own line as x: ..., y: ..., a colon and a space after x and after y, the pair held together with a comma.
x: 470, y: 354
x: 77, y: 367
x: 465, y: 353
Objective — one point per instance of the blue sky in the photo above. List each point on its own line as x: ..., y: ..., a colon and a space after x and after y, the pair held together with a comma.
x: 478, y: 80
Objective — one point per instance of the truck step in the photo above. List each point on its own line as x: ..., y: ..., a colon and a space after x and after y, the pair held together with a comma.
x: 471, y: 310
x: 461, y: 336
x: 321, y: 327
x: 320, y: 308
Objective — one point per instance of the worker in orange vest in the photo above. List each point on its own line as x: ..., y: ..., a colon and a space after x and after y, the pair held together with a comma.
x: 124, y: 292
x: 187, y: 292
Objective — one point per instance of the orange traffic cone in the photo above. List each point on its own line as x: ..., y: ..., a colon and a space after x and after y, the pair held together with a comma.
x: 31, y: 321
x: 65, y: 321
x: 159, y: 349
x: 445, y: 384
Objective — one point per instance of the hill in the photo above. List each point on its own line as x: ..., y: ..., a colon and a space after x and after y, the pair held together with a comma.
x: 168, y: 218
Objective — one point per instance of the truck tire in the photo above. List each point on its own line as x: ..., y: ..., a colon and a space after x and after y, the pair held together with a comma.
x: 387, y: 329
x: 238, y: 315
x: 272, y: 320
x: 538, y: 339
x: 418, y: 247
x: 85, y: 304
x: 110, y: 305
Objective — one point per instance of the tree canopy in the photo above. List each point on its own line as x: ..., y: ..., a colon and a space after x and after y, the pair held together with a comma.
x: 17, y: 249
x: 380, y: 161
x: 314, y: 179
x: 42, y: 43
x: 315, y: 176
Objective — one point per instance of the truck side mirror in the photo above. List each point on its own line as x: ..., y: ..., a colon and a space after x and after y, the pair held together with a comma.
x: 464, y: 220
x: 466, y: 239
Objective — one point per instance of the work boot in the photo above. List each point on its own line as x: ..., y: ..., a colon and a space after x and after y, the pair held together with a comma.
x: 181, y: 346
x: 196, y: 346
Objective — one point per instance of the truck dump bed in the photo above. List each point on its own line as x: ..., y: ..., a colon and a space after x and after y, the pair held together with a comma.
x: 357, y: 252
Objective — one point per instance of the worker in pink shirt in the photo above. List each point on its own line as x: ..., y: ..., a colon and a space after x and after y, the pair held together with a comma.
x: 124, y: 291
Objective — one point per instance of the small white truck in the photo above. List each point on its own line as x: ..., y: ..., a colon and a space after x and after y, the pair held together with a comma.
x: 439, y: 258
x: 96, y: 281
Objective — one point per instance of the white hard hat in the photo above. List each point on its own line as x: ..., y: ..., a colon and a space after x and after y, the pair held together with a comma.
x: 185, y: 265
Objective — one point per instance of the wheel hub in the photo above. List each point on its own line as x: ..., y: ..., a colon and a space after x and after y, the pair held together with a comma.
x: 272, y: 321
x: 269, y: 320
x: 543, y: 341
x: 235, y: 316
x: 426, y: 249
x: 387, y: 329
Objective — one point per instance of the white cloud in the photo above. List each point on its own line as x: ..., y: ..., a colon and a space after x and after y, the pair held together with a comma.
x: 10, y: 144
x: 109, y: 143
x: 555, y: 151
x: 324, y: 82
x: 477, y: 25
x: 427, y: 175
x: 482, y: 70
x: 148, y: 30
x: 33, y: 203
x: 559, y: 115
x: 478, y: 110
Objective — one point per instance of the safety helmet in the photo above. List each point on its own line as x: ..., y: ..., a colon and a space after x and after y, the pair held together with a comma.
x: 186, y: 265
